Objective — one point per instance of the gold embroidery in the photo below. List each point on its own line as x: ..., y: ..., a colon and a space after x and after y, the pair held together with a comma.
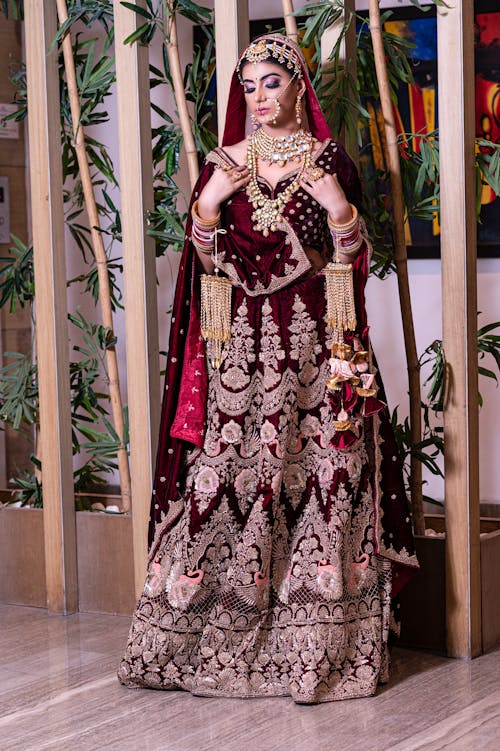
x: 281, y: 590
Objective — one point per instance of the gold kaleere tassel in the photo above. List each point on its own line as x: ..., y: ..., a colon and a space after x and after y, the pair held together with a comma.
x: 340, y: 305
x: 341, y: 316
x: 340, y: 310
x: 215, y: 310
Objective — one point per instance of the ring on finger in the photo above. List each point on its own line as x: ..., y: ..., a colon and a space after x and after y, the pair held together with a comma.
x: 315, y: 173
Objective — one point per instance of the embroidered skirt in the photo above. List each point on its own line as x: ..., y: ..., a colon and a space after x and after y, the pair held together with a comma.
x: 271, y: 578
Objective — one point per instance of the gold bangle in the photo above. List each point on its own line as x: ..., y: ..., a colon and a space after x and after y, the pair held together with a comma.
x: 351, y: 251
x: 201, y: 249
x: 344, y: 228
x: 205, y: 223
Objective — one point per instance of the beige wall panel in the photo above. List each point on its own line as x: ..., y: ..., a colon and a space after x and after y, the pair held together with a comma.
x: 231, y: 37
x: 105, y: 566
x: 136, y: 186
x: 51, y: 306
x: 22, y: 557
x: 458, y: 256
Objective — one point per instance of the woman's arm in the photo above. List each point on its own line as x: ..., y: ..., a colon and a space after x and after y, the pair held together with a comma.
x: 206, y: 210
x: 339, y: 193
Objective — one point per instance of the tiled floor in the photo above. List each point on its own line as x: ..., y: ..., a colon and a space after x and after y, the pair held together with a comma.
x: 58, y: 691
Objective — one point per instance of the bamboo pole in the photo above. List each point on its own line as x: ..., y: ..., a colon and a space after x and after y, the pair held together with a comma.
x: 179, y: 93
x: 401, y: 260
x: 99, y: 254
x: 290, y: 20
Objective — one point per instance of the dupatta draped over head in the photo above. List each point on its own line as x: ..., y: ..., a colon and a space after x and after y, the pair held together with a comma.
x: 183, y: 416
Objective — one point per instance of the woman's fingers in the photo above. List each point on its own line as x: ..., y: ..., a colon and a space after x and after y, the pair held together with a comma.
x: 323, y: 187
x: 236, y: 174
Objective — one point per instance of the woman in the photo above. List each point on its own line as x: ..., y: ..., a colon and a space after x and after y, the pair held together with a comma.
x: 279, y: 528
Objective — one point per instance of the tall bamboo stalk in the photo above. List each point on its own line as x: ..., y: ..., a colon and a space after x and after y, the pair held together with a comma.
x: 401, y: 260
x: 99, y: 254
x: 179, y: 93
x: 290, y: 20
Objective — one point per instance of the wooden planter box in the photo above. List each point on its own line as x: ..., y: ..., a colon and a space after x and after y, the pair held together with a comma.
x: 423, y: 599
x: 105, y: 560
x: 106, y: 579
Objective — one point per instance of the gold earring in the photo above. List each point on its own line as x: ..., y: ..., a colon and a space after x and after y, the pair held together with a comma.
x: 298, y: 110
x: 254, y: 122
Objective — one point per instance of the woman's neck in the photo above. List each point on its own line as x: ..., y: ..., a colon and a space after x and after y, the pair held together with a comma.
x: 280, y: 131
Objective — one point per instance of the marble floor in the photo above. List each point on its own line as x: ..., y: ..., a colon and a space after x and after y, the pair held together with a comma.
x: 58, y: 691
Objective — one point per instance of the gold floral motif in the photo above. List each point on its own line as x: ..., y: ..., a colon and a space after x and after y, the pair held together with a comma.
x: 251, y: 605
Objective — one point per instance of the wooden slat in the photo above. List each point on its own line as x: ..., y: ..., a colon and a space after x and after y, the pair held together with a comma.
x: 231, y: 37
x: 136, y: 187
x: 458, y: 255
x: 290, y: 20
x: 51, y: 306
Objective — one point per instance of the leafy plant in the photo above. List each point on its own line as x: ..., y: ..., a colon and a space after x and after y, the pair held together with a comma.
x: 18, y: 378
x: 351, y: 104
x: 431, y: 448
x: 93, y: 436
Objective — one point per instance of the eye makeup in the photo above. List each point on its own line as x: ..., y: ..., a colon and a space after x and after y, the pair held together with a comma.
x: 271, y: 81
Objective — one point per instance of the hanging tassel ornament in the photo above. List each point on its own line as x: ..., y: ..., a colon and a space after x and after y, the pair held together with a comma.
x: 343, y: 421
x: 341, y: 316
x: 215, y: 310
x: 340, y: 306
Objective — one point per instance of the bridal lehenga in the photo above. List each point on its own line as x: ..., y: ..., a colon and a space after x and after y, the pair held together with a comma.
x: 280, y: 533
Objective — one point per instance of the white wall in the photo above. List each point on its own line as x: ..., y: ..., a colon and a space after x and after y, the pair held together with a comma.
x: 386, y: 332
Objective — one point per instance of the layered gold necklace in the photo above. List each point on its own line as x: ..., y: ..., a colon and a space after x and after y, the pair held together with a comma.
x: 276, y: 150
x: 280, y: 149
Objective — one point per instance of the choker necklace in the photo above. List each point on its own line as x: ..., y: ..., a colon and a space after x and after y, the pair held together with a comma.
x: 281, y: 149
x: 269, y: 211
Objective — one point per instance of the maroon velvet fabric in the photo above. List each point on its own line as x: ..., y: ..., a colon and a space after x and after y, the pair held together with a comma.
x: 249, y: 253
x: 186, y: 373
x: 181, y: 376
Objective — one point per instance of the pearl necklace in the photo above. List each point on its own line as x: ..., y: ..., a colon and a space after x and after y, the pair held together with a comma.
x: 269, y: 211
x: 279, y: 149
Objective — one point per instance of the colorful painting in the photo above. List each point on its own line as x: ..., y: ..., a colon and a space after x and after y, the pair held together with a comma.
x: 417, y: 109
x: 487, y: 30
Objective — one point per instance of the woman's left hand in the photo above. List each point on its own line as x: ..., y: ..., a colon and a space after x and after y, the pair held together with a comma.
x: 327, y: 191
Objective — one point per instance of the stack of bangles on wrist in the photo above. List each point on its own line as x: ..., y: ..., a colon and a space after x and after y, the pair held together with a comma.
x: 203, y: 231
x: 347, y: 237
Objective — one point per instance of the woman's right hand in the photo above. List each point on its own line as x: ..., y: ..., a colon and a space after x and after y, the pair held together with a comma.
x: 224, y: 182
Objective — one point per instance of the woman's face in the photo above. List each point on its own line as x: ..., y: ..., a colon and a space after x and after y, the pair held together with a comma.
x: 263, y: 84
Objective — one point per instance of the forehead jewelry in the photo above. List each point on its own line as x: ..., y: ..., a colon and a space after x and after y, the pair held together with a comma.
x: 264, y: 49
